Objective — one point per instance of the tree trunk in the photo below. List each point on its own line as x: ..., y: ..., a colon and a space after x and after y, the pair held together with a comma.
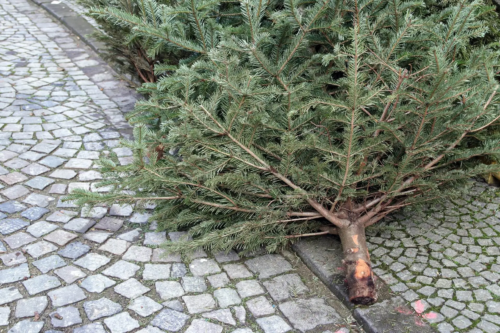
x: 357, y: 264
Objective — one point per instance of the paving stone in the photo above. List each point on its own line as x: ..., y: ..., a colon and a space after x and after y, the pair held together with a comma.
x: 65, y: 317
x: 121, y: 269
x: 223, y: 257
x: 92, y: 261
x: 100, y: 308
x: 140, y: 218
x: 273, y: 324
x: 285, y: 286
x: 12, y: 207
x: 199, y: 325
x: 218, y: 280
x: 34, y: 213
x: 178, y: 270
x: 170, y: 320
x: 493, y: 307
x: 60, y: 237
x: 249, y: 288
x: 199, y: 303
x: 97, y: 236
x: 121, y: 210
x: 13, y: 178
x: 66, y: 295
x: 121, y: 322
x: 38, y: 200
x: 20, y: 239
x: 70, y: 274
x: 62, y: 216
x: 14, y: 274
x: 15, y: 192
x: 40, y: 248
x: 308, y: 314
x: 200, y: 267
x: 155, y: 238
x: 223, y: 315
x: 115, y: 246
x: 94, y: 213
x: 8, y: 226
x: 97, y: 283
x: 194, y: 284
x: 169, y: 289
x: 160, y: 255
x: 91, y: 328
x: 29, y: 306
x: 144, y: 306
x: 34, y: 169
x: 109, y: 224
x: 150, y: 329
x: 260, y: 306
x: 52, y: 161
x: 63, y: 174
x: 79, y: 225
x: 9, y: 295
x: 131, y: 289
x: 131, y: 236
x: 226, y: 297
x: 13, y: 258
x: 41, y: 283
x: 4, y: 316
x: 138, y: 253
x: 49, y: 263
x: 174, y: 305
x: 74, y: 250
x: 156, y: 272
x: 27, y: 326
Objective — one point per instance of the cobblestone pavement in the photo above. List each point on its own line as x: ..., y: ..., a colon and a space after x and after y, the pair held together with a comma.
x: 445, y: 259
x: 63, y: 269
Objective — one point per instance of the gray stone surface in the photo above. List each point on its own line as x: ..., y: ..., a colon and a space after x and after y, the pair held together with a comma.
x: 223, y: 315
x: 74, y: 250
x: 121, y: 269
x: 249, y: 288
x: 27, y: 326
x: 199, y: 325
x: 91, y: 328
x: 101, y: 308
x: 204, y: 267
x: 92, y: 261
x: 41, y: 283
x: 268, y: 265
x: 97, y: 283
x: 170, y: 320
x: 66, y: 295
x: 121, y: 322
x: 14, y: 274
x: 131, y: 289
x: 199, y: 303
x: 49, y: 263
x: 260, y: 306
x: 273, y: 324
x: 9, y: 294
x: 308, y: 314
x: 226, y: 297
x: 70, y: 274
x: 156, y: 272
x: 29, y: 306
x: 169, y: 289
x: 144, y: 306
x: 285, y: 286
x: 194, y: 284
x: 65, y: 317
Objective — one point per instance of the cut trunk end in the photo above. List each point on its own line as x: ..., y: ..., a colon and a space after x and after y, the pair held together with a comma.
x: 357, y: 264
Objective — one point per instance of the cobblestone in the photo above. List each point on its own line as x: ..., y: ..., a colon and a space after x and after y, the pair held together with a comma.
x: 62, y: 109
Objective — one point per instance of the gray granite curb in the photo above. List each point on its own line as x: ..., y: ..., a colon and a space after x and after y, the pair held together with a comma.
x: 80, y: 27
x: 323, y: 256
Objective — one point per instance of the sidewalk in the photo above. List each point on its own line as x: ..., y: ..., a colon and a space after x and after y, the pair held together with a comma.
x: 67, y: 270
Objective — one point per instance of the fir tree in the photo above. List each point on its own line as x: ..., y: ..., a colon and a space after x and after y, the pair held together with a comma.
x: 298, y: 118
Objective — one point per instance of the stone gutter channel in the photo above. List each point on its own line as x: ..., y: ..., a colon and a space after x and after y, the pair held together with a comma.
x: 323, y: 255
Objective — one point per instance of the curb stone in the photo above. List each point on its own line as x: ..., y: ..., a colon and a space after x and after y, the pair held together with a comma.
x: 80, y: 27
x: 323, y: 256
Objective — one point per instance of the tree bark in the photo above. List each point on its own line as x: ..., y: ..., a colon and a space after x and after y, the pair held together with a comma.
x: 357, y: 264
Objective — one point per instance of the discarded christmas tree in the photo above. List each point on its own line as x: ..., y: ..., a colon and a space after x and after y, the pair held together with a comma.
x: 308, y: 118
